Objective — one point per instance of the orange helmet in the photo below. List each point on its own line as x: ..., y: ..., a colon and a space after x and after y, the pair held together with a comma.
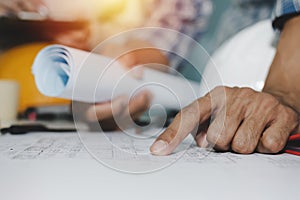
x: 16, y: 64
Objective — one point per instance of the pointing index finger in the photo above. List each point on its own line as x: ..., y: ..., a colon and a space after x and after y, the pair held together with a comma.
x: 185, y: 122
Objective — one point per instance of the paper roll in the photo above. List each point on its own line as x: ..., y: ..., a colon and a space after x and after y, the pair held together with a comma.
x: 69, y: 73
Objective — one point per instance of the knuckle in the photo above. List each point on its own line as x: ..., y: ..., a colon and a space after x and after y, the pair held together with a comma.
x: 289, y: 115
x: 245, y: 92
x: 218, y: 89
x: 268, y: 100
x: 285, y: 114
x: 235, y: 110
x: 192, y: 111
x: 218, y: 95
x: 230, y: 113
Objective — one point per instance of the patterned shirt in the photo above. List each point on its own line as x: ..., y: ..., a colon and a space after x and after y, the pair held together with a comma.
x: 189, y: 17
x: 284, y: 10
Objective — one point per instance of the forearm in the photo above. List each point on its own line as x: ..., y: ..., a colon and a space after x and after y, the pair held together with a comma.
x: 283, y: 80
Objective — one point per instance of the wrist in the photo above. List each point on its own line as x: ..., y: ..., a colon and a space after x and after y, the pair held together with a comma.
x: 284, y: 97
x: 283, y: 78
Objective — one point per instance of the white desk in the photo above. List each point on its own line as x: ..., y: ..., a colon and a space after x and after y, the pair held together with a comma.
x: 64, y: 170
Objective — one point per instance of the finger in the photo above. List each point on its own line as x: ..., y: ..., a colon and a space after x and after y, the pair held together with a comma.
x: 276, y: 135
x: 183, y: 124
x: 201, y: 139
x: 137, y: 72
x: 138, y: 104
x: 9, y: 6
x: 148, y: 57
x: 273, y: 139
x: 27, y: 6
x: 247, y: 137
x: 107, y: 125
x: 223, y: 128
x: 201, y: 133
x: 136, y: 107
x: 129, y: 60
x: 107, y: 110
x: 257, y: 118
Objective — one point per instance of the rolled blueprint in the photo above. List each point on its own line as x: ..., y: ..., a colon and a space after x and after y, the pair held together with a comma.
x: 73, y: 74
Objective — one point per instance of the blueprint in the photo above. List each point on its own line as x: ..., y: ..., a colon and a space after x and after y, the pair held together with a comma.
x: 119, y: 146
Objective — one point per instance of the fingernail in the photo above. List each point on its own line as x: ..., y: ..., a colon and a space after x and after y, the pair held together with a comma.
x: 158, y: 146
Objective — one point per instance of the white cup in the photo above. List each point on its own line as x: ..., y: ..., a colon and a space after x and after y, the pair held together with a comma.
x: 9, y: 100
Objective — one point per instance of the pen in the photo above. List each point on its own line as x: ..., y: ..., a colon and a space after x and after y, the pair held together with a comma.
x: 293, y: 145
x: 29, y: 128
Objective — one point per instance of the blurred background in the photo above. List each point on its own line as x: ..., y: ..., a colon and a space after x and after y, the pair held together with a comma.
x: 28, y: 26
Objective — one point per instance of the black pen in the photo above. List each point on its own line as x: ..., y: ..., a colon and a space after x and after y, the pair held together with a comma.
x: 29, y: 128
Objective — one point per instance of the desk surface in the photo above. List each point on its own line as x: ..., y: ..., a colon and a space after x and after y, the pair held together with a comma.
x: 58, y: 166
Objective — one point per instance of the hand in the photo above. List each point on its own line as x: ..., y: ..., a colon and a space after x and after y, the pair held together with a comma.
x: 137, y: 52
x: 137, y: 105
x: 243, y: 121
x: 75, y: 38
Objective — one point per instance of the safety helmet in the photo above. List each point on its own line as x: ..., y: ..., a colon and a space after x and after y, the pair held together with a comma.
x: 15, y: 64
